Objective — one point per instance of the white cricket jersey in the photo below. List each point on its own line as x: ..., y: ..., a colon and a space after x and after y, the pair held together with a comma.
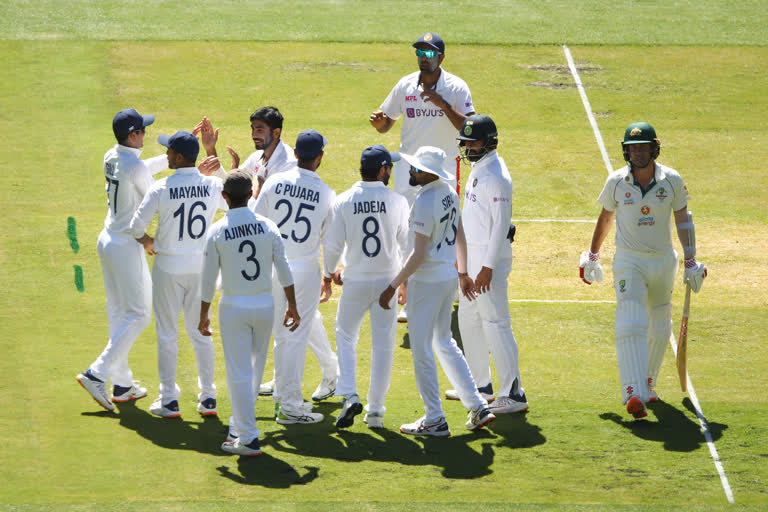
x: 488, y: 209
x: 425, y: 124
x: 372, y: 221
x: 302, y: 207
x: 185, y: 203
x: 128, y: 180
x: 643, y: 218
x: 435, y: 214
x: 245, y: 246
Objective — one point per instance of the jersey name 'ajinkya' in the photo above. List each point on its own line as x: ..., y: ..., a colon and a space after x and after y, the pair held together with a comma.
x: 243, y: 230
x: 190, y: 192
x: 370, y: 207
x: 298, y: 192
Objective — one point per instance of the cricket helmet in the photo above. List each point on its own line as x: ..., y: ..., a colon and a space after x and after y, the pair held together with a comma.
x: 478, y: 127
x: 640, y: 133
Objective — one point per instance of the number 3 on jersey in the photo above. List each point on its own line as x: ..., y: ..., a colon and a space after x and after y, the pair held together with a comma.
x: 300, y: 219
x: 251, y: 258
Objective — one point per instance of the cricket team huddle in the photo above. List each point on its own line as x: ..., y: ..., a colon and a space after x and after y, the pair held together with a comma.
x: 413, y: 244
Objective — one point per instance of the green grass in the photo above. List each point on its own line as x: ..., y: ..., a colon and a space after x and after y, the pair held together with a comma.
x: 575, y: 450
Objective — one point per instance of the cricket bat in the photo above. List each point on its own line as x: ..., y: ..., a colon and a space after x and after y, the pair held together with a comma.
x: 682, y: 341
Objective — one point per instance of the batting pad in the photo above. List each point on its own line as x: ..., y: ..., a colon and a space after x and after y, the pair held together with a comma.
x: 632, y: 349
x: 659, y: 330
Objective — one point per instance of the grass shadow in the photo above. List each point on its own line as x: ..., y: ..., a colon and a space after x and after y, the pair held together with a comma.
x: 268, y: 471
x: 674, y: 428
x: 452, y: 454
x: 516, y: 432
x: 176, y: 434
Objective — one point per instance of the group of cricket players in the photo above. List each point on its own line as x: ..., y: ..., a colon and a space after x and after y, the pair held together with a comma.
x: 418, y: 246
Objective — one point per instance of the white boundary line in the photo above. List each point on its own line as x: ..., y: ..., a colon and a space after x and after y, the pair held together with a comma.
x: 691, y: 392
x: 585, y: 101
x: 705, y: 429
x: 574, y: 221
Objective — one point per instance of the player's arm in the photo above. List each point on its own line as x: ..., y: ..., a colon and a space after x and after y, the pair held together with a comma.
x: 208, y: 136
x: 695, y: 272
x: 590, y: 269
x: 156, y: 164
x: 415, y: 259
x: 465, y: 282
x: 142, y: 217
x: 602, y: 228
x: 499, y: 200
x: 454, y: 116
x: 382, y: 122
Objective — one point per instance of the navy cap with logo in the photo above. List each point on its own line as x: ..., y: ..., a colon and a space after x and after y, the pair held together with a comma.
x: 181, y: 142
x: 309, y: 144
x: 433, y: 40
x: 128, y: 120
x: 375, y: 156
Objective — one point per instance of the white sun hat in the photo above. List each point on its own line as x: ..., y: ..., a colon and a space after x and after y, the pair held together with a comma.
x: 429, y: 159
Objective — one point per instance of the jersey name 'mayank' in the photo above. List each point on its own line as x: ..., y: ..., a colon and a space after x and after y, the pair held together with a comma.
x: 297, y: 191
x: 190, y: 192
x: 243, y: 230
x: 369, y: 207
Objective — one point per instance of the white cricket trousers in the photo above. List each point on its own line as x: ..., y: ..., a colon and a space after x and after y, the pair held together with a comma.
x: 128, y: 288
x: 485, y: 328
x: 429, y: 309
x: 357, y: 298
x: 291, y: 347
x: 643, y: 284
x: 170, y: 294
x: 246, y: 326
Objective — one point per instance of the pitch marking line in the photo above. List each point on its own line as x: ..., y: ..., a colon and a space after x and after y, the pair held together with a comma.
x: 691, y: 392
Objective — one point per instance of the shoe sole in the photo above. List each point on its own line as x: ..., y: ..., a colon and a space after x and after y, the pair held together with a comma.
x: 636, y: 408
x: 348, y: 419
x: 252, y: 453
x: 508, y: 410
x: 121, y: 401
x: 320, y: 398
x: 445, y: 433
x: 296, y: 422
x: 208, y: 413
x: 487, y: 420
x: 94, y: 398
x: 169, y: 416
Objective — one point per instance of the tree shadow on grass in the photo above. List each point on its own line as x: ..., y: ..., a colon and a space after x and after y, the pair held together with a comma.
x: 174, y: 433
x: 452, y: 454
x: 677, y: 431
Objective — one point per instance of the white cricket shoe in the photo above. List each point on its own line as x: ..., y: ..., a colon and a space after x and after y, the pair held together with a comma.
x: 236, y: 447
x: 325, y: 389
x: 207, y: 407
x: 352, y: 407
x: 652, y: 396
x: 374, y: 420
x: 169, y: 410
x: 302, y: 417
x: 508, y: 404
x: 479, y: 418
x: 486, y: 392
x: 402, y: 317
x: 267, y: 388
x: 97, y: 389
x: 421, y: 428
x: 122, y: 394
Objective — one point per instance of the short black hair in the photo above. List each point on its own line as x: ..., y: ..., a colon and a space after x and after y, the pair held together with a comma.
x: 370, y: 173
x: 269, y: 116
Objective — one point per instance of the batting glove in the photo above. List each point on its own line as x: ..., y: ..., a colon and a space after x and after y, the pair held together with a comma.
x: 590, y: 269
x: 694, y: 274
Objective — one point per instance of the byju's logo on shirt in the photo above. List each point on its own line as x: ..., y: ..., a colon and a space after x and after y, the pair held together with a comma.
x: 423, y: 112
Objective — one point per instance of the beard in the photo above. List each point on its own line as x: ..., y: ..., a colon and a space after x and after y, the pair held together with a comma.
x: 412, y: 181
x: 263, y: 145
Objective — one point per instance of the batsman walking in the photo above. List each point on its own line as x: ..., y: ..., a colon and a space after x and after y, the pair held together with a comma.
x: 641, y: 196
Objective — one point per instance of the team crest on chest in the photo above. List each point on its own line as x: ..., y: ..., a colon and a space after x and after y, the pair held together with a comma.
x: 661, y: 194
x: 645, y: 210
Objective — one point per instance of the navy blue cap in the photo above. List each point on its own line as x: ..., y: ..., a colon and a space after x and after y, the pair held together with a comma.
x: 128, y: 120
x: 433, y: 40
x: 309, y: 144
x: 181, y: 142
x: 376, y: 156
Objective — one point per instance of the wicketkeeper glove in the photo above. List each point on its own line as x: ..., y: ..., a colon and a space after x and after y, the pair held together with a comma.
x: 590, y: 269
x: 694, y: 273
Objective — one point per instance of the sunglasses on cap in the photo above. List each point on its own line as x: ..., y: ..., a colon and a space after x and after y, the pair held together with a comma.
x: 430, y: 54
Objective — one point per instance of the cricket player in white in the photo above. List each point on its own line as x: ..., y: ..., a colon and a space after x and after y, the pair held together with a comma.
x: 436, y: 228
x: 127, y: 283
x: 244, y: 246
x: 371, y: 222
x: 642, y: 196
x: 301, y: 205
x: 185, y: 203
x: 484, y: 322
x: 435, y: 104
x: 273, y: 156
